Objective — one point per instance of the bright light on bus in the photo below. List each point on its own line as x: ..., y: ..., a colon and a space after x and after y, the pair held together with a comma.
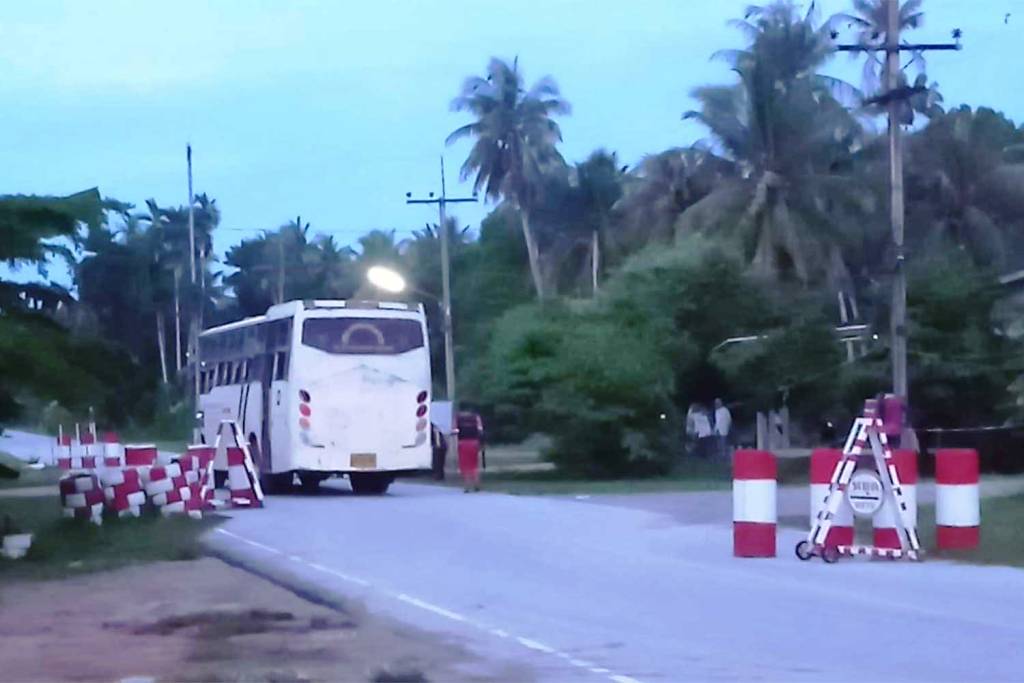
x: 386, y: 279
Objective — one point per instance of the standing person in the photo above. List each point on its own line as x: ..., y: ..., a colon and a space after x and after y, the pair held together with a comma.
x: 439, y: 451
x: 471, y: 432
x: 702, y: 427
x: 690, y: 435
x: 723, y: 425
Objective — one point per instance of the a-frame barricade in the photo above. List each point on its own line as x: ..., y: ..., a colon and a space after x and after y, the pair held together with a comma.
x: 866, y: 490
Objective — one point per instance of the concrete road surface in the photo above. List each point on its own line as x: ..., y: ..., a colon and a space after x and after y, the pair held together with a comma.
x: 578, y: 590
x: 28, y: 446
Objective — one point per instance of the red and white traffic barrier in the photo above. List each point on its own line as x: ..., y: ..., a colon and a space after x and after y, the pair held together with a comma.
x: 112, y: 450
x: 753, y: 503
x: 886, y: 521
x: 81, y: 497
x: 123, y: 490
x: 243, y: 482
x: 823, y: 466
x: 957, y: 501
x: 197, y: 465
x: 139, y: 455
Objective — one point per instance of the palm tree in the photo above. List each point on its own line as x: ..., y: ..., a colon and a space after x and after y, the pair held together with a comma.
x: 964, y: 184
x: 663, y: 186
x: 790, y: 141
x: 515, y: 140
x: 871, y: 20
x: 334, y: 268
x: 598, y: 186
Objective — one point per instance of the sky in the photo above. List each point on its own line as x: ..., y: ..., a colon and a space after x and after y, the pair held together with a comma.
x: 333, y: 110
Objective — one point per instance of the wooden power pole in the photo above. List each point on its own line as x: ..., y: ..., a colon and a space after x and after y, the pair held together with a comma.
x: 898, y: 316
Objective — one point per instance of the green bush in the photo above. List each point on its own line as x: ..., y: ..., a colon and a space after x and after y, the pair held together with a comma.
x: 602, y: 393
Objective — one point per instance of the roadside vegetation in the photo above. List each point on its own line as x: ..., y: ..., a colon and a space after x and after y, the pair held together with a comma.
x: 592, y: 303
x: 67, y: 547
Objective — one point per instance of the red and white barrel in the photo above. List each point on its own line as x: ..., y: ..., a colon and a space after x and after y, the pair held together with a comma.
x: 887, y: 521
x: 823, y: 466
x: 754, y: 482
x: 957, y: 501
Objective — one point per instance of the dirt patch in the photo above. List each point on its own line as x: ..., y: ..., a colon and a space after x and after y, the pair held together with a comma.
x: 206, y: 621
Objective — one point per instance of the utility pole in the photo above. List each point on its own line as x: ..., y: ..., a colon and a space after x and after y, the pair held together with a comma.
x: 194, y: 322
x: 898, y: 313
x: 446, y: 299
x: 191, y: 218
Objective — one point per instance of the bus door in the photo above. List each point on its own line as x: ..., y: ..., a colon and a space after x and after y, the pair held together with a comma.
x: 265, y: 377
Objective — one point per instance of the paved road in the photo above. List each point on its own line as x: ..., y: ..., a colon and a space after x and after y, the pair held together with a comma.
x: 27, y: 446
x: 583, y: 591
x: 630, y: 588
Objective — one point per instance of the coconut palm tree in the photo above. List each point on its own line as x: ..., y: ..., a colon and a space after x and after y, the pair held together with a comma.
x: 598, y: 186
x: 790, y: 141
x: 966, y: 185
x: 514, y: 142
x: 662, y: 187
x: 870, y: 20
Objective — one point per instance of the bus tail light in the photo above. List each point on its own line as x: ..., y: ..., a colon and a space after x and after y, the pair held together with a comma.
x: 422, y: 398
x: 421, y: 424
x: 304, y: 395
x: 421, y: 411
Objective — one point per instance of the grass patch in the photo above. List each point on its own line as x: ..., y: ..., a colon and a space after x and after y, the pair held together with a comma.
x: 688, y: 475
x: 14, y: 474
x: 1002, y: 533
x: 66, y: 547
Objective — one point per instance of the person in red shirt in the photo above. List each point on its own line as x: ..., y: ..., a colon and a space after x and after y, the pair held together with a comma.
x: 471, y: 448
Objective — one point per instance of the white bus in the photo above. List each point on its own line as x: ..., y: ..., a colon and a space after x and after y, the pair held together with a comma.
x: 322, y: 388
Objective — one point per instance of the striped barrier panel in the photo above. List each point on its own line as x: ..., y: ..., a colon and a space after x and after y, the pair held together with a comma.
x: 886, y: 521
x: 823, y: 466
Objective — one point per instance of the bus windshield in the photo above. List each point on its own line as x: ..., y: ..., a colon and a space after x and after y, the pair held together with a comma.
x: 379, y: 336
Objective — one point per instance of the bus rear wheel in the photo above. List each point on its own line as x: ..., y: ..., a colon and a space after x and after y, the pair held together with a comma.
x: 369, y: 483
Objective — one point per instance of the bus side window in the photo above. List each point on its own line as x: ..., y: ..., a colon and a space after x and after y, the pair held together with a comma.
x: 240, y: 372
x: 281, y: 365
x: 222, y: 373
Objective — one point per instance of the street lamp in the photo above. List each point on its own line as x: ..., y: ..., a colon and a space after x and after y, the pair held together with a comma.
x: 387, y: 279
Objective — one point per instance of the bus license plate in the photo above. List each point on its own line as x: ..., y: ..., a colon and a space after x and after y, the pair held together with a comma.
x: 364, y: 461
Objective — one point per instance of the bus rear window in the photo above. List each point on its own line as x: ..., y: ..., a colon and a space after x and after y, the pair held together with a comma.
x: 381, y: 336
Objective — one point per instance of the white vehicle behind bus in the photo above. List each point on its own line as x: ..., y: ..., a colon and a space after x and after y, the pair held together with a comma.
x: 322, y: 388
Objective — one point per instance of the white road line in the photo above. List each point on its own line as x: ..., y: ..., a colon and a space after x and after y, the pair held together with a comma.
x: 534, y: 645
x: 252, y: 543
x: 446, y: 613
x: 341, y: 575
x: 454, y: 616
